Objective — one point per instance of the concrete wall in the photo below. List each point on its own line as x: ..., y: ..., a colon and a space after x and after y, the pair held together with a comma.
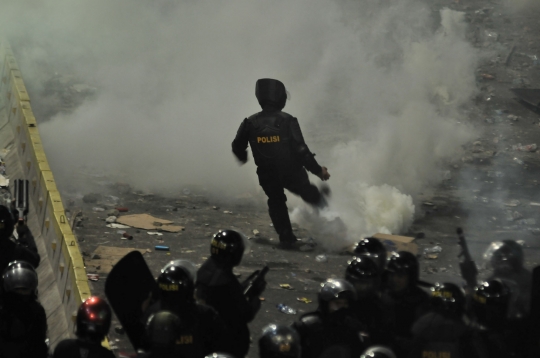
x: 63, y: 283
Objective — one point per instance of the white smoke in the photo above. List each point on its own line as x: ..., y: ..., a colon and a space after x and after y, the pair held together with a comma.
x: 377, y: 87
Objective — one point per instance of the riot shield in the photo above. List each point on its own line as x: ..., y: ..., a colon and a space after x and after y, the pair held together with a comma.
x: 127, y: 287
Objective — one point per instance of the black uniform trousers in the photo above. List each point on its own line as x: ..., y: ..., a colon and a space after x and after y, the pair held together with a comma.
x: 297, y: 182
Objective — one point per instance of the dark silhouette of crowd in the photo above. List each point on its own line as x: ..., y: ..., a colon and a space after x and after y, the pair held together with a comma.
x: 380, y: 308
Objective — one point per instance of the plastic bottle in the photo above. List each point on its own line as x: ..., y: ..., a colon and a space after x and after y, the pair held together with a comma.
x: 285, y: 309
x: 321, y: 258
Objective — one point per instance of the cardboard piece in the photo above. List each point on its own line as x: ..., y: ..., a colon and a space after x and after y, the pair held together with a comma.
x: 108, y: 257
x: 394, y: 243
x: 148, y: 222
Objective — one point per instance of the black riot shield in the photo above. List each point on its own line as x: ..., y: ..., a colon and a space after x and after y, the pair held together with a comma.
x: 128, y: 286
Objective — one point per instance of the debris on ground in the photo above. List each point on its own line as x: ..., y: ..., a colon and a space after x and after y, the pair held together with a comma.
x: 111, y: 219
x: 256, y: 232
x: 154, y: 233
x: 105, y: 257
x: 513, y: 202
x: 525, y: 148
x: 91, y: 198
x: 92, y: 276
x: 148, y: 222
x: 118, y: 226
x: 286, y: 286
x: 304, y: 299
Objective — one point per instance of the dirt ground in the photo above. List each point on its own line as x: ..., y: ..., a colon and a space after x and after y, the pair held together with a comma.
x: 487, y: 207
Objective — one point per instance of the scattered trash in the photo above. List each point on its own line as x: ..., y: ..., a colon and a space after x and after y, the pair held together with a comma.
x: 513, y: 202
x: 127, y: 236
x: 487, y: 76
x: 262, y: 299
x: 527, y: 222
x: 513, y: 216
x: 154, y: 233
x: 118, y: 226
x: 122, y: 209
x: 447, y: 175
x: 161, y: 248
x: 148, y: 222
x: 186, y: 191
x: 534, y: 204
x: 111, y: 219
x: 215, y: 207
x: 519, y: 161
x: 286, y: 286
x: 513, y: 117
x: 97, y: 209
x: 285, y: 309
x: 491, y: 36
x: 321, y: 258
x: 304, y: 299
x: 432, y: 250
x: 525, y: 148
x: 256, y: 232
x: 121, y: 232
x: 227, y: 212
x: 92, y: 276
x: 432, y: 256
x: 119, y: 329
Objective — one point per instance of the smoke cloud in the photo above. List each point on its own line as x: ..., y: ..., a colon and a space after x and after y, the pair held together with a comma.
x: 377, y: 87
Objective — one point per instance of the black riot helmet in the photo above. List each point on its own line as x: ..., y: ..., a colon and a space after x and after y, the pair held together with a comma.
x: 270, y: 92
x: 404, y: 262
x: 20, y: 275
x: 490, y: 303
x: 378, y: 352
x: 227, y: 247
x: 219, y: 355
x: 505, y: 256
x: 372, y: 247
x: 7, y: 223
x: 279, y: 341
x: 162, y: 330
x: 93, y: 319
x: 447, y: 299
x: 176, y: 282
x: 332, y: 289
x: 363, y: 273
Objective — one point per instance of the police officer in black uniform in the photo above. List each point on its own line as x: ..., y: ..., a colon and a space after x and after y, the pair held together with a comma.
x: 162, y: 330
x: 407, y: 301
x: 364, y: 274
x: 24, y: 249
x: 23, y: 322
x: 279, y: 341
x: 332, y: 330
x: 502, y: 336
x: 373, y: 248
x: 93, y: 323
x: 218, y: 287
x: 506, y: 258
x: 441, y: 332
x: 201, y: 331
x: 281, y: 154
x: 378, y: 352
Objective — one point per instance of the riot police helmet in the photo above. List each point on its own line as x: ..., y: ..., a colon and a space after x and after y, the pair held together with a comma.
x: 363, y: 273
x: 20, y: 277
x: 176, y: 282
x: 279, y: 341
x: 504, y: 256
x: 271, y: 92
x: 227, y: 247
x: 406, y: 263
x: 7, y: 223
x: 490, y: 303
x: 335, y: 289
x: 219, y: 355
x: 378, y: 352
x: 448, y: 299
x: 162, y: 330
x: 93, y: 319
x: 374, y: 248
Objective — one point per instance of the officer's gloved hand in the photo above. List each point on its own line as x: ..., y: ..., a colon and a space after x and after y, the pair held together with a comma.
x: 261, y: 286
x: 324, y: 175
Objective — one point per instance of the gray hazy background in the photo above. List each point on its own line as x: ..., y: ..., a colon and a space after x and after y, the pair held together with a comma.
x: 378, y: 87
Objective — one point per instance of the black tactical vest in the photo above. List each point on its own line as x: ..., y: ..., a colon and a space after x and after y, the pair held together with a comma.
x: 271, y: 142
